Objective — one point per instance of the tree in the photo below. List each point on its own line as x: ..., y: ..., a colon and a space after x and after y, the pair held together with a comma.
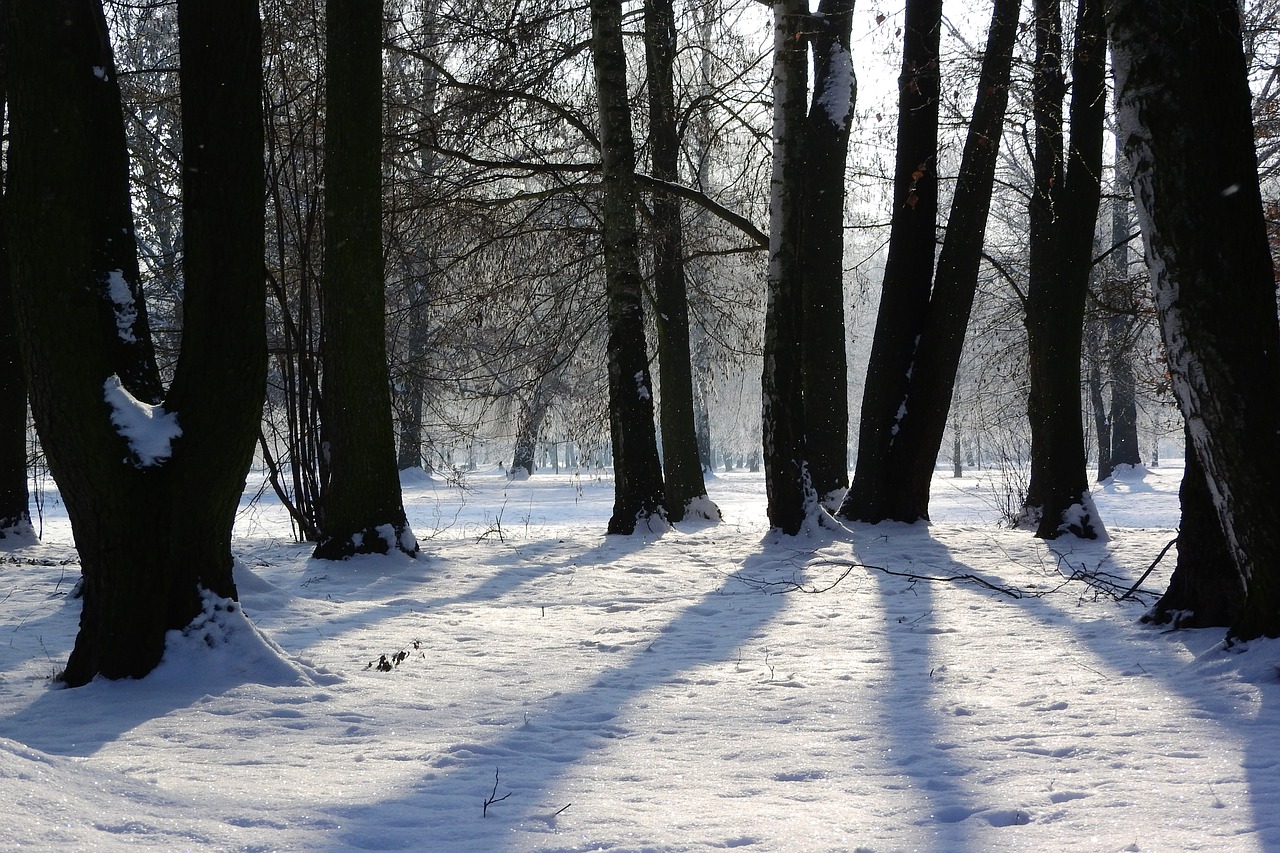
x: 791, y: 497
x: 686, y: 491
x: 1184, y: 113
x: 151, y: 490
x: 823, y: 372
x: 924, y: 314
x: 362, y: 510
x: 15, y: 510
x: 1063, y: 212
x: 638, y: 488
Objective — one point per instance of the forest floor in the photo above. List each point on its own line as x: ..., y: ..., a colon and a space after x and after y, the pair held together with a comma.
x: 951, y: 687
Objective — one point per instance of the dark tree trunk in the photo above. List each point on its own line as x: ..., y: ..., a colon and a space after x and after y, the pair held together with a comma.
x: 1101, y: 422
x: 790, y: 493
x: 1205, y: 589
x: 1122, y: 301
x: 1185, y: 114
x: 824, y: 373
x: 638, y: 487
x: 362, y: 510
x: 152, y: 525
x: 15, y: 507
x: 1064, y: 210
x: 685, y: 489
x: 904, y: 422
x: 908, y: 274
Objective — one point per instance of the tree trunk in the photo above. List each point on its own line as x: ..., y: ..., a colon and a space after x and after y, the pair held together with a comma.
x: 362, y: 510
x: 685, y: 489
x: 1185, y: 115
x: 791, y: 497
x: 1205, y: 589
x: 917, y: 347
x: 151, y: 508
x: 15, y: 508
x: 638, y: 487
x: 908, y: 274
x: 1064, y: 210
x: 824, y: 374
x: 1102, y: 423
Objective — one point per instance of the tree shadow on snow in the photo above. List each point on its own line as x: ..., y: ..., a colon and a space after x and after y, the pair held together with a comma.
x: 560, y: 735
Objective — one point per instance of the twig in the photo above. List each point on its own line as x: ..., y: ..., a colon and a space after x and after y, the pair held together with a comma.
x: 494, y: 798
x: 779, y: 587
x: 559, y: 812
x: 1151, y: 568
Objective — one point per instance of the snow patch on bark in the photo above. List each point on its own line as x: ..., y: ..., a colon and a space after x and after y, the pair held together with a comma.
x: 836, y: 99
x: 150, y: 430
x: 126, y: 310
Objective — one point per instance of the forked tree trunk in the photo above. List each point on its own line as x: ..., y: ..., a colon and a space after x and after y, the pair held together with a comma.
x: 682, y: 470
x: 638, y: 487
x: 362, y: 509
x: 904, y: 420
x: 1185, y: 114
x: 908, y: 274
x: 1064, y: 211
x: 152, y: 519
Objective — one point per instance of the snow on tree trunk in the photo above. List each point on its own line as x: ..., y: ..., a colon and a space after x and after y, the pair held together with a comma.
x: 1185, y: 115
x: 151, y: 537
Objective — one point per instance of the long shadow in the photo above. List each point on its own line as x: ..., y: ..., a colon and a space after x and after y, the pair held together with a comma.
x: 1254, y: 725
x: 920, y: 745
x: 399, y: 592
x: 536, y: 756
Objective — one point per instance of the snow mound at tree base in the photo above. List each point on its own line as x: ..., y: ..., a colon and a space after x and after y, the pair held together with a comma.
x: 222, y: 647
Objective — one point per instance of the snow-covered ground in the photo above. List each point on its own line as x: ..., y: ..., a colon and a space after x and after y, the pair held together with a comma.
x: 949, y: 688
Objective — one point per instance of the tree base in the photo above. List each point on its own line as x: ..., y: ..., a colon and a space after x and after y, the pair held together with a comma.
x: 380, y: 539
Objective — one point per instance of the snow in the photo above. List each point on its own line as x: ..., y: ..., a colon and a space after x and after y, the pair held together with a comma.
x: 836, y: 99
x: 892, y: 688
x: 126, y: 310
x: 150, y: 430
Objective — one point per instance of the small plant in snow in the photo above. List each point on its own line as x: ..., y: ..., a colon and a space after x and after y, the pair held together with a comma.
x: 386, y: 664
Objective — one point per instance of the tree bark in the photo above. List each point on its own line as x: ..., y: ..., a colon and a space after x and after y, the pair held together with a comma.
x: 685, y: 489
x: 1064, y: 210
x: 639, y: 494
x: 362, y: 510
x: 908, y: 274
x: 1185, y: 114
x: 904, y: 421
x: 152, y: 523
x: 15, y: 507
x: 824, y: 373
x: 1205, y: 589
x: 791, y: 497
